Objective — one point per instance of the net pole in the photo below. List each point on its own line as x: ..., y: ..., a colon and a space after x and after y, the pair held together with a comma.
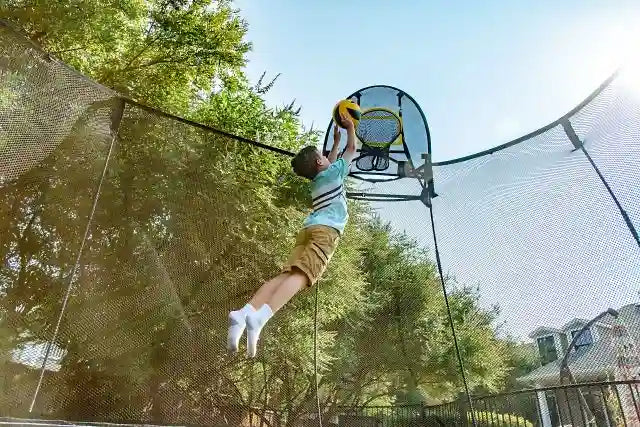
x: 116, y: 118
x: 579, y: 145
x: 624, y: 213
x: 451, y: 325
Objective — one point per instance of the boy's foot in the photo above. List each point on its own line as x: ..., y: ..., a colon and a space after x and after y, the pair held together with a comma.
x: 237, y: 324
x: 255, y: 323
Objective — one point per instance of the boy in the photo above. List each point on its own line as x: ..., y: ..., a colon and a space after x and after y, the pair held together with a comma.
x: 315, y: 243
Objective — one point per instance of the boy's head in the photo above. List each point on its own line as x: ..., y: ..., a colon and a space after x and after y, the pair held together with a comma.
x: 309, y: 162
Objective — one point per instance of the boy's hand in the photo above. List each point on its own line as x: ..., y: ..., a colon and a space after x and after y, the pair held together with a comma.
x: 346, y: 122
x: 336, y: 134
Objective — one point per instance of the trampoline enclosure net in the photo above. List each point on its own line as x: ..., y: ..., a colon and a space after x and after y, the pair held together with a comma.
x: 159, y: 242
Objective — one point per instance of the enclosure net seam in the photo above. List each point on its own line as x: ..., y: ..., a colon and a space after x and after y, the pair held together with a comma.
x: 48, y: 56
x: 207, y: 128
x: 604, y: 85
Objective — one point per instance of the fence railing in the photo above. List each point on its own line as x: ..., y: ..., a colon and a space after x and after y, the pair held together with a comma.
x: 601, y: 404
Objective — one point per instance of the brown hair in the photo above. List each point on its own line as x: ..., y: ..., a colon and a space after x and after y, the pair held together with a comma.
x: 304, y: 163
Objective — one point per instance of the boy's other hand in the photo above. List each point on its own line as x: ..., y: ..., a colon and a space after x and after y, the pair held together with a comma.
x: 346, y: 122
x: 336, y: 134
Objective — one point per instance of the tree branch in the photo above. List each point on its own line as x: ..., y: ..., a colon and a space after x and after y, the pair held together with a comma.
x: 143, y: 50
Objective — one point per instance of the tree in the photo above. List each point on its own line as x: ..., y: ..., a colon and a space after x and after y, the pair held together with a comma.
x: 407, y: 335
x: 160, y: 52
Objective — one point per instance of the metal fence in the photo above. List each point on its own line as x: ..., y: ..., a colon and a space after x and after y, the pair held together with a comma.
x: 602, y: 404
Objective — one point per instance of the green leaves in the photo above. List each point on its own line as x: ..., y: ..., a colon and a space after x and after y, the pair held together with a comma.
x: 403, y: 333
x: 150, y: 51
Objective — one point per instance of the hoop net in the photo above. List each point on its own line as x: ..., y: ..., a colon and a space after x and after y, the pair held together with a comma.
x: 378, y: 128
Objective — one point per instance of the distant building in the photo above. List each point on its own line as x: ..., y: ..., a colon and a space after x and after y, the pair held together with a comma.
x: 607, y: 351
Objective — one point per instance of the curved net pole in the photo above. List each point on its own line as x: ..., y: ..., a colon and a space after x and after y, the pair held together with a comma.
x: 625, y: 215
x: 579, y: 145
x: 116, y: 117
x: 451, y: 325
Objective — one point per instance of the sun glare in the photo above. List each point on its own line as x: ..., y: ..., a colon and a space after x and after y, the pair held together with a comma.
x: 629, y: 76
x: 628, y: 55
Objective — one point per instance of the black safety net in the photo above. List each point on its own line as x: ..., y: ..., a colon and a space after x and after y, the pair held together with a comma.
x: 127, y: 236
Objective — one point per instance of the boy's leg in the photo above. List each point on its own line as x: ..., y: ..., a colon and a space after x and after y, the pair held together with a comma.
x: 293, y: 283
x: 237, y: 318
x: 262, y: 296
x: 308, y: 260
x: 237, y: 324
x: 276, y: 294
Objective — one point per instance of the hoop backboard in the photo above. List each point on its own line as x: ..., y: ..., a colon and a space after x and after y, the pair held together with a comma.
x: 412, y: 144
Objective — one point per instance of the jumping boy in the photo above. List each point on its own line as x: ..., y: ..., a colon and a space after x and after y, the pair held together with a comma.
x: 315, y: 243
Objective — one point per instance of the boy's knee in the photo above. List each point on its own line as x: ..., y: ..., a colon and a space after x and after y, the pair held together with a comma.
x: 299, y: 276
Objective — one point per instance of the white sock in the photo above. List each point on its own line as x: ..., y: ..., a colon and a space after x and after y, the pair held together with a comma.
x: 237, y: 323
x: 255, y: 323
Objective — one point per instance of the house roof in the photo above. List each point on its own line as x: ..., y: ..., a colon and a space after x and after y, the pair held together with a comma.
x: 579, y: 323
x: 597, y: 359
x: 544, y: 330
x: 572, y: 324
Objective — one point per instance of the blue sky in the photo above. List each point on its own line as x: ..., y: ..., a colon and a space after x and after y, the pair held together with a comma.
x: 483, y: 72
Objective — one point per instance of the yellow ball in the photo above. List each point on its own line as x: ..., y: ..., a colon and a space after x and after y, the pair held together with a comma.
x: 349, y: 109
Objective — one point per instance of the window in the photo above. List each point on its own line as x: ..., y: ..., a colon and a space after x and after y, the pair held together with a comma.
x: 547, y: 349
x: 585, y: 338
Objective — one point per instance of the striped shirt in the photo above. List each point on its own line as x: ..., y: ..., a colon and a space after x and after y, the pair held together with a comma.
x: 328, y: 197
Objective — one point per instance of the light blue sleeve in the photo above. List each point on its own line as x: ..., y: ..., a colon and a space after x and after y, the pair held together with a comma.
x: 340, y: 168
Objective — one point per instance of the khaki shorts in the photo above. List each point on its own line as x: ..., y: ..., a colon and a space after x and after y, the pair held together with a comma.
x: 313, y: 251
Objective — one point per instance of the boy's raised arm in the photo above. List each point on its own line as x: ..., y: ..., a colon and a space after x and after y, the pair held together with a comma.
x: 333, y: 154
x: 350, y: 150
